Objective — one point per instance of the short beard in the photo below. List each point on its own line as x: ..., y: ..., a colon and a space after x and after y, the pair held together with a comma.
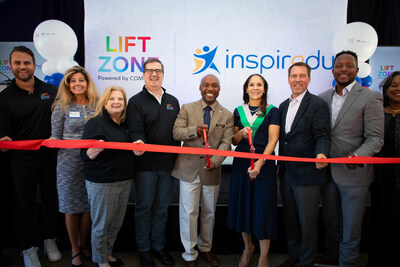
x: 24, y: 79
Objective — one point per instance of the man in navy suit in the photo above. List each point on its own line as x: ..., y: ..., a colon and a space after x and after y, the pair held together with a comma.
x: 304, y: 133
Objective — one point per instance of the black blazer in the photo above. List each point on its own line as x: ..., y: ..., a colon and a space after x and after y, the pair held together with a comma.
x: 308, y: 137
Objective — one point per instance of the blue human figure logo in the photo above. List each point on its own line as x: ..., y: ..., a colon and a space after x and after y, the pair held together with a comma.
x: 204, y: 61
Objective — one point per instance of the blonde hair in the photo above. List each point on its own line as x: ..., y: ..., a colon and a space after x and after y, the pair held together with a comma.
x: 65, y: 96
x: 104, y: 99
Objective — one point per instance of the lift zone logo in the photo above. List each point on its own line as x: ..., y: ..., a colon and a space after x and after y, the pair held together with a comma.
x: 385, y: 70
x: 204, y: 59
x: 120, y: 64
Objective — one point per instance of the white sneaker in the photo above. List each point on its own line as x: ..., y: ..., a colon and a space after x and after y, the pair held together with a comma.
x: 50, y: 248
x: 31, y: 258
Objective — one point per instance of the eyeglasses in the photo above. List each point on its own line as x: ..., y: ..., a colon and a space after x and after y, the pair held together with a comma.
x: 150, y: 71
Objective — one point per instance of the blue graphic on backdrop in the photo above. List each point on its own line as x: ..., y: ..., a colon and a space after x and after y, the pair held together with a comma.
x: 204, y: 60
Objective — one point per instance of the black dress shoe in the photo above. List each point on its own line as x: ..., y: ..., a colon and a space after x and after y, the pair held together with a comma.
x: 5, y: 261
x: 164, y: 257
x: 146, y: 260
x: 326, y: 261
x: 288, y: 263
x: 73, y: 257
x: 88, y: 256
x: 117, y: 262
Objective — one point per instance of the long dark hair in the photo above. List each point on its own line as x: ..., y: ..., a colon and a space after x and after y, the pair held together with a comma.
x: 263, y: 105
x: 384, y: 85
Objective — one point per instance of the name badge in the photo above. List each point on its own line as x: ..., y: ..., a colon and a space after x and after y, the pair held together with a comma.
x: 74, y: 114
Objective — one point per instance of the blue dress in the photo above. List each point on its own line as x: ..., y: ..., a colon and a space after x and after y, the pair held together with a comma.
x: 71, y: 188
x: 252, y: 204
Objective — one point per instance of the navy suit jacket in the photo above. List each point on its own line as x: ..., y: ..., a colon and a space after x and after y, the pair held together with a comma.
x: 308, y: 137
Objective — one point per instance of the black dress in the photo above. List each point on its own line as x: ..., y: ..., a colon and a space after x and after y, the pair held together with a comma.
x: 385, y: 200
x: 252, y: 204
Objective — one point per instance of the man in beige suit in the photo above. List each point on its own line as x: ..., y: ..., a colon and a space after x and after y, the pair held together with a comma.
x: 197, y: 180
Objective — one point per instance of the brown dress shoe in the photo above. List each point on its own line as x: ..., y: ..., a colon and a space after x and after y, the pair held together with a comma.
x: 210, y: 258
x: 288, y: 263
x: 190, y: 263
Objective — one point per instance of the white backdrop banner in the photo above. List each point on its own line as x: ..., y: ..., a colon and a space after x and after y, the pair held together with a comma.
x: 229, y: 38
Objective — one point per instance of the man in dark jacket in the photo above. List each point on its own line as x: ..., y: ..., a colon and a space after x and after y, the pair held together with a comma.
x: 150, y: 116
x: 25, y: 114
x: 304, y: 133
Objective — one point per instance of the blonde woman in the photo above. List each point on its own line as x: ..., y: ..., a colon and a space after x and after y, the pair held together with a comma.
x: 75, y: 102
x: 108, y: 174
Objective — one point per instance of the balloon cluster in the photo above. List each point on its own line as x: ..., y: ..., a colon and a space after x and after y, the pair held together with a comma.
x: 362, y: 39
x: 57, y: 43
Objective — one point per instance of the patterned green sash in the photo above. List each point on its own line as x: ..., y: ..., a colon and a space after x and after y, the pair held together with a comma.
x: 256, y: 124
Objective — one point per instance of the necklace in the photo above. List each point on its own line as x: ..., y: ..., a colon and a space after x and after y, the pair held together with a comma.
x: 254, y: 110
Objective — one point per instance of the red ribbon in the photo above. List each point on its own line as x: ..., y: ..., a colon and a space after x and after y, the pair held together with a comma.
x: 251, y: 147
x: 207, y: 147
x: 36, y: 144
x: 251, y: 150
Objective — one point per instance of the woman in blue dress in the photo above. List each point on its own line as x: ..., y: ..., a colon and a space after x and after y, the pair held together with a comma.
x: 75, y: 103
x: 252, y: 193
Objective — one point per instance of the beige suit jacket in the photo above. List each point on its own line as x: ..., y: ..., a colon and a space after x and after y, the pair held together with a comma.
x: 220, y: 134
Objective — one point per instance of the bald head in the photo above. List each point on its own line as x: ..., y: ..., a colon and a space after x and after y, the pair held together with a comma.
x: 209, y: 76
x: 209, y: 88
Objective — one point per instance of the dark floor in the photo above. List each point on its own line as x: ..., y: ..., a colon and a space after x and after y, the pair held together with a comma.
x: 131, y: 259
x: 227, y: 244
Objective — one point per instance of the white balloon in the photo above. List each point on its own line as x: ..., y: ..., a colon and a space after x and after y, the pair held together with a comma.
x: 49, y: 68
x: 358, y: 37
x: 63, y: 65
x: 364, y: 69
x: 54, y: 39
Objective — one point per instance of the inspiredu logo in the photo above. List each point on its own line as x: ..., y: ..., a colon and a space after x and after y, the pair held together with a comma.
x: 204, y: 59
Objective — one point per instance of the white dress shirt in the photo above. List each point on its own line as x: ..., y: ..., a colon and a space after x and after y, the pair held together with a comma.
x: 294, y: 104
x: 338, y: 100
x: 158, y: 99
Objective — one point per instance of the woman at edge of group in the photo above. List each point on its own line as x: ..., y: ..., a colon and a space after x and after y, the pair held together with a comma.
x: 385, y: 190
x: 252, y: 203
x: 108, y: 174
x: 75, y: 102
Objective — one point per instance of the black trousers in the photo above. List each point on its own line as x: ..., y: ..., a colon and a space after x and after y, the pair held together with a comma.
x: 385, y: 225
x: 6, y: 199
x: 27, y: 175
